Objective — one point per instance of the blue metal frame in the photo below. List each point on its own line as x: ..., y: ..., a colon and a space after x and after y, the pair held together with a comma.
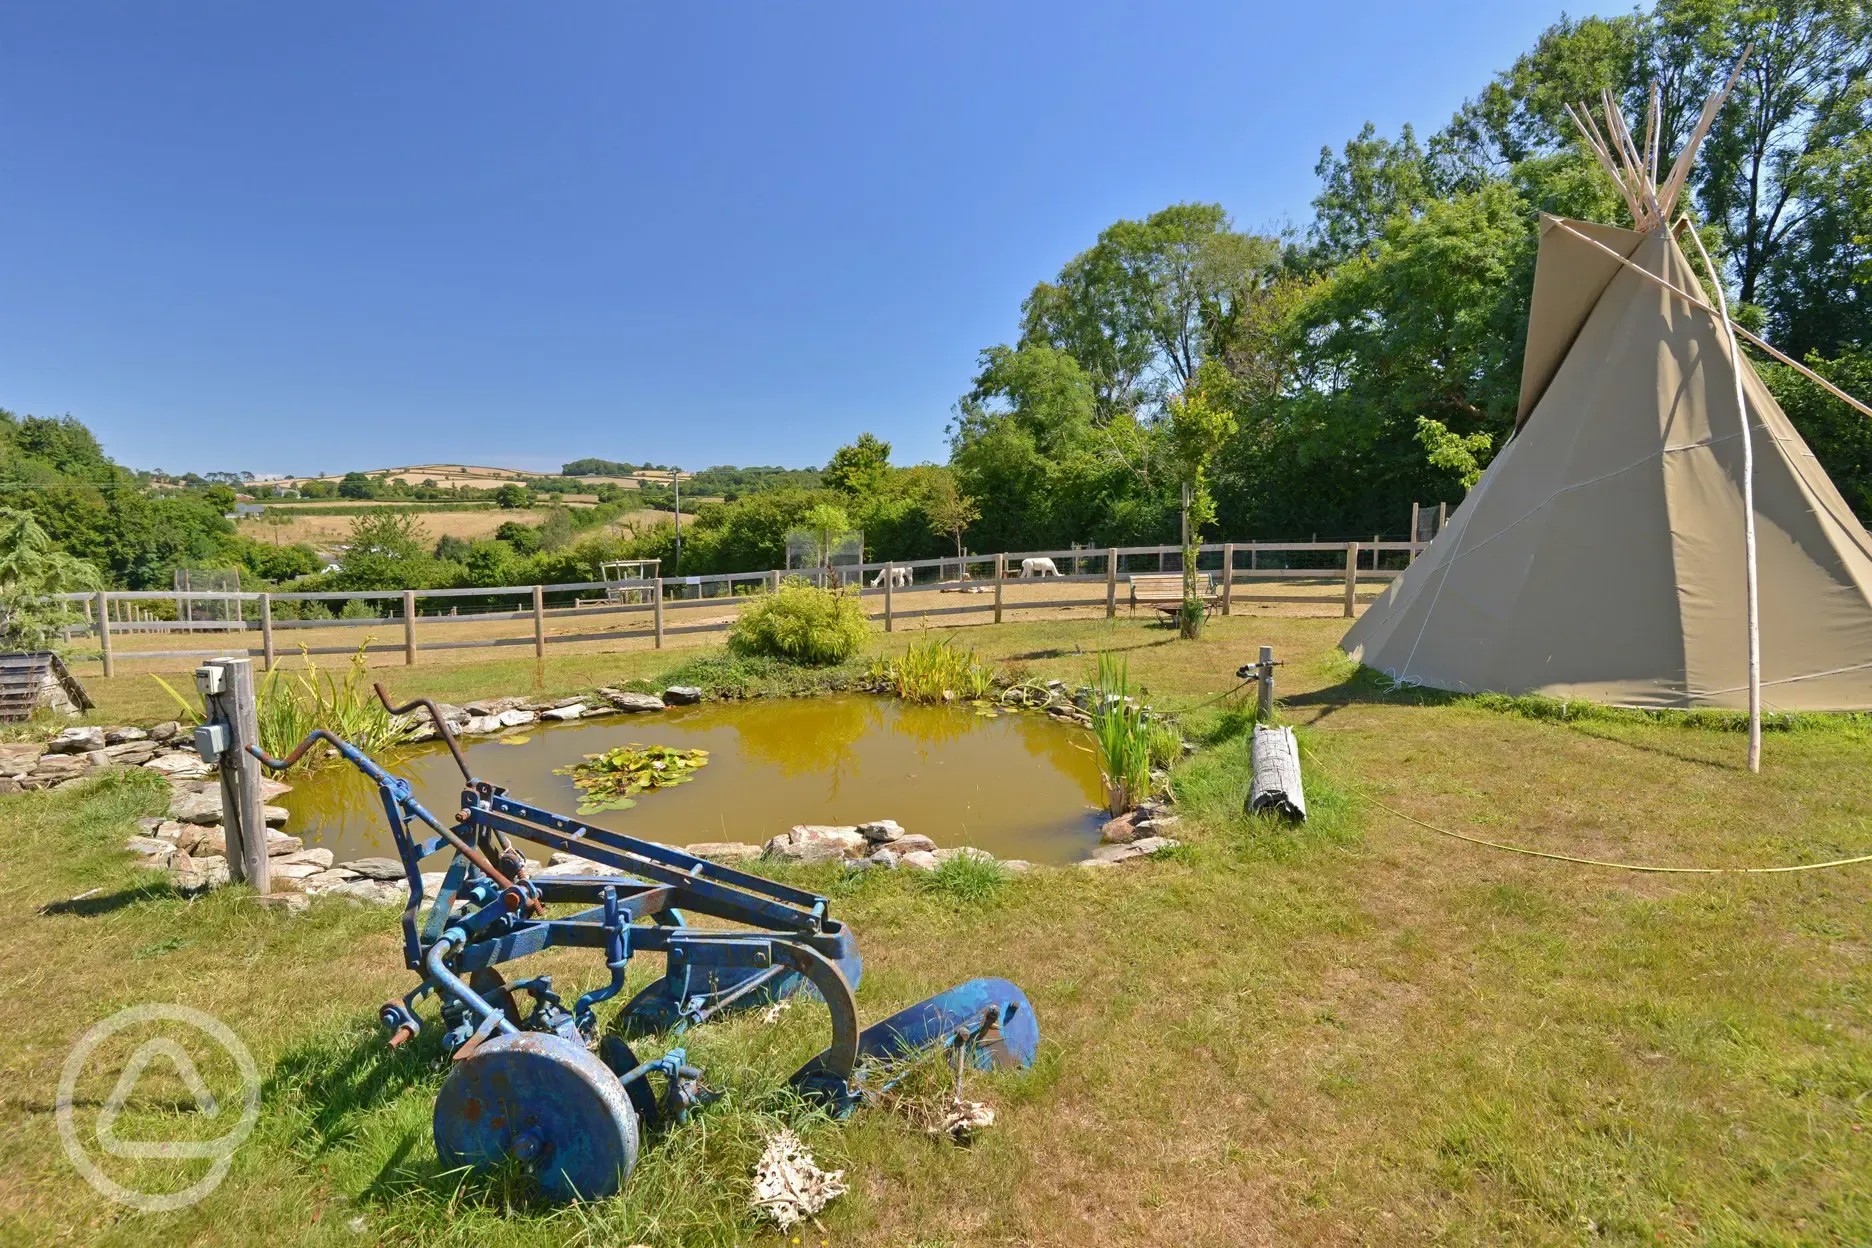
x: 489, y: 911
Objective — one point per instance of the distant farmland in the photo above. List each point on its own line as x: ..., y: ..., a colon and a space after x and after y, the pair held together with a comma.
x: 324, y: 532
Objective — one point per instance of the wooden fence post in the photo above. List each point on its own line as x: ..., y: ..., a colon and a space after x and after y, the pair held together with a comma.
x: 1442, y: 517
x: 1415, y: 508
x: 890, y: 580
x: 103, y: 630
x: 774, y: 578
x: 656, y: 612
x: 1111, y: 582
x: 409, y: 626
x: 1351, y: 578
x: 1000, y: 575
x: 539, y: 621
x: 242, y: 820
x: 1228, y: 575
x: 266, y: 632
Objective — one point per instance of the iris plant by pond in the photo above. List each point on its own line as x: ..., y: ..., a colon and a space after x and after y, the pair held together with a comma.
x: 612, y: 780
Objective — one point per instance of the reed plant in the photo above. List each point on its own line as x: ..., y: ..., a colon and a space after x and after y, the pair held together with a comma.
x: 933, y: 666
x: 289, y: 707
x: 1121, y: 735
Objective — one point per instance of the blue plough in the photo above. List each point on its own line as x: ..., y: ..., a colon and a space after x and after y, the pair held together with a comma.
x: 546, y: 1085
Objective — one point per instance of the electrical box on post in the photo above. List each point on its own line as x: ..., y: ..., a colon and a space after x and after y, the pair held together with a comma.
x: 210, y: 680
x: 211, y: 740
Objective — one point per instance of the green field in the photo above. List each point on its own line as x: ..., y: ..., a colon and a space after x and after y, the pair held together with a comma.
x: 1358, y: 1032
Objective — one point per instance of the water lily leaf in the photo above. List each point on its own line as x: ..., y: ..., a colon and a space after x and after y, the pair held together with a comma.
x: 611, y: 779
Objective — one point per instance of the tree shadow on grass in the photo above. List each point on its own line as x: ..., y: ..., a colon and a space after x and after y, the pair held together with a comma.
x: 96, y: 901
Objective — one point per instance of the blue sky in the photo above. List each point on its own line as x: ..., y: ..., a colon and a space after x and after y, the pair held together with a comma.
x: 317, y: 237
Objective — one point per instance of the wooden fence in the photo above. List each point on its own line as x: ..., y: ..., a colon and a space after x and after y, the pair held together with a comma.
x: 1236, y: 566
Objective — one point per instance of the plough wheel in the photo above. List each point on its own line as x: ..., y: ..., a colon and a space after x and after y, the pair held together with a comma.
x: 546, y: 1102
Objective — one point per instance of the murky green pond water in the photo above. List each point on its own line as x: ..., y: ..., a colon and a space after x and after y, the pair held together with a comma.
x: 1018, y: 786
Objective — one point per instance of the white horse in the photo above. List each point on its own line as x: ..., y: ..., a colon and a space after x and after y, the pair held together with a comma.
x: 899, y: 578
x: 1038, y: 567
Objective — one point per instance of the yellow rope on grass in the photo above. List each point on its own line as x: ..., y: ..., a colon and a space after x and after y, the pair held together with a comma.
x: 1597, y: 862
x: 1601, y: 862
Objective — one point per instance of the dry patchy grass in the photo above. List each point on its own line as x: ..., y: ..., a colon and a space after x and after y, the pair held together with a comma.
x: 1351, y: 1033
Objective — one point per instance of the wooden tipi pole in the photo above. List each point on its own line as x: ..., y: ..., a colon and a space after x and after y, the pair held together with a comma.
x: 1748, y: 511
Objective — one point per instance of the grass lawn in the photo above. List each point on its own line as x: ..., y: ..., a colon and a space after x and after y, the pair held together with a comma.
x: 1357, y: 1032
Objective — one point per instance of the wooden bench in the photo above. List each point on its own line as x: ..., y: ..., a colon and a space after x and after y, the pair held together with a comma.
x: 1163, y: 592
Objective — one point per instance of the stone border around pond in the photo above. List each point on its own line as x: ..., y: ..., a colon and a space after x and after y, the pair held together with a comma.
x: 189, y: 842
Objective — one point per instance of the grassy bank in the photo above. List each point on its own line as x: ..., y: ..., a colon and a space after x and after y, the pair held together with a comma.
x: 1353, y: 1032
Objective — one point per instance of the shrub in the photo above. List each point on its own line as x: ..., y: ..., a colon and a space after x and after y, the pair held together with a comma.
x: 802, y: 624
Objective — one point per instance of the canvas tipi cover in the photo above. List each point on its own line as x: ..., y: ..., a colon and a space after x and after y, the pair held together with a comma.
x: 1601, y: 554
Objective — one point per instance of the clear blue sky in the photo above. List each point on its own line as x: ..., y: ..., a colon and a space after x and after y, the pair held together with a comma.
x: 316, y: 237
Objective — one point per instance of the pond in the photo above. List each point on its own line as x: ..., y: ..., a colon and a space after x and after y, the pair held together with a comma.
x: 1017, y: 785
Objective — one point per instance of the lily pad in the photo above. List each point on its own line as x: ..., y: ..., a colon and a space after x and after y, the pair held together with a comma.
x: 611, y: 780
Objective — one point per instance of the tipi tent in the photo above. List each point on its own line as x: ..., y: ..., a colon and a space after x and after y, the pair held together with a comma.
x: 1601, y: 555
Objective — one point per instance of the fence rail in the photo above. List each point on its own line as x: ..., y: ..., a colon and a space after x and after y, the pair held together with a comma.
x: 1235, y: 567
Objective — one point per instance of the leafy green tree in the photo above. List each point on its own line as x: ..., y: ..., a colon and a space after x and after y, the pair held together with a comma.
x: 1139, y: 309
x: 388, y: 549
x: 556, y: 529
x: 357, y: 485
x: 1802, y: 93
x: 860, y: 467
x: 948, y: 510
x: 452, y: 549
x: 1196, y: 429
x: 32, y: 570
x: 827, y: 522
x: 523, y: 538
x: 1371, y: 182
x: 513, y: 496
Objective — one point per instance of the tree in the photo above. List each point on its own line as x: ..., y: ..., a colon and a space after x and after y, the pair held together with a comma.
x: 512, y: 497
x: 357, y: 485
x: 827, y: 522
x: 1802, y: 93
x: 1139, y: 309
x: 452, y: 549
x: 949, y: 510
x: 524, y: 538
x: 387, y: 549
x: 556, y: 529
x: 1373, y: 181
x: 32, y: 570
x: 1196, y: 429
x: 859, y: 468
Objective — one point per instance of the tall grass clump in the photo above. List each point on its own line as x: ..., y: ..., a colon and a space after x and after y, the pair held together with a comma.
x: 802, y: 623
x: 970, y: 878
x: 1164, y: 743
x: 931, y: 667
x: 1121, y: 735
x: 289, y: 707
